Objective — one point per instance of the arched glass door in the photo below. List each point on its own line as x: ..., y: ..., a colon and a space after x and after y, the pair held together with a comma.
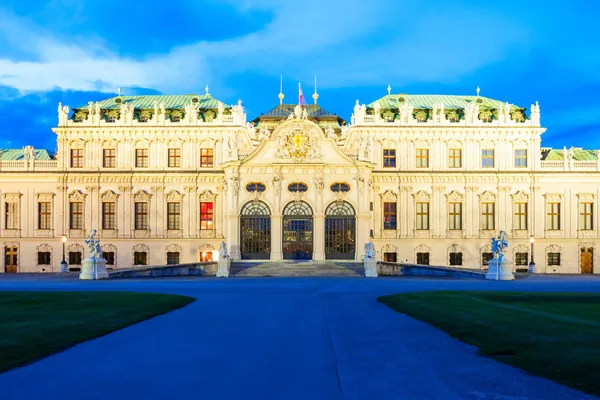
x: 297, y: 231
x: 255, y: 231
x: 340, y: 231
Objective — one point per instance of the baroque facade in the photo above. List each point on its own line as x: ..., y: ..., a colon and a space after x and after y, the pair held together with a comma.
x: 428, y: 179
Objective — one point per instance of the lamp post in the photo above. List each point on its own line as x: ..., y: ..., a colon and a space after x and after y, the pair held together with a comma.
x: 64, y: 267
x: 532, y: 269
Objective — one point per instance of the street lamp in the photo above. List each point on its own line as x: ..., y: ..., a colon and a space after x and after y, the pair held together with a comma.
x: 64, y: 267
x: 532, y: 263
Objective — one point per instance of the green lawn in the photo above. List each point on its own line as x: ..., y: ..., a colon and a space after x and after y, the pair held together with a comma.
x: 555, y: 335
x: 34, y: 325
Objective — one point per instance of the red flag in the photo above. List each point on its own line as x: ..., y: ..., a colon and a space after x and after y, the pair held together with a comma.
x: 300, y: 95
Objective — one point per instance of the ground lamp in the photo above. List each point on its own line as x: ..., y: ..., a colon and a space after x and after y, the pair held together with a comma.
x: 532, y: 263
x: 64, y: 267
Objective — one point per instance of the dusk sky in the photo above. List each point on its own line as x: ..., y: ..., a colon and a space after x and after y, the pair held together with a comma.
x: 75, y: 51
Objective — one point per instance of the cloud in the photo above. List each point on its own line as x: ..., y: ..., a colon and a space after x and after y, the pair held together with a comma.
x: 348, y: 42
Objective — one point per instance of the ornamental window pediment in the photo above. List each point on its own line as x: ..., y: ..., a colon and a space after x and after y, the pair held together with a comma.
x: 207, y: 195
x: 553, y: 197
x: 455, y: 196
x: 389, y: 196
x: 109, y: 195
x: 422, y: 196
x: 487, y: 197
x: 586, y: 197
x: 44, y: 197
x: 12, y: 197
x: 141, y: 196
x: 520, y: 197
x: 77, y: 196
x: 174, y: 196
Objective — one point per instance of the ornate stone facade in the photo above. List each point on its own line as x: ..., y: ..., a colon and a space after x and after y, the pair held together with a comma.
x: 427, y: 179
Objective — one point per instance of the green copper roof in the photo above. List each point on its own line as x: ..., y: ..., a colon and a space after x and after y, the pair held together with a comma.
x: 578, y: 155
x: 17, y: 154
x: 170, y: 101
x: 426, y: 101
x: 284, y: 110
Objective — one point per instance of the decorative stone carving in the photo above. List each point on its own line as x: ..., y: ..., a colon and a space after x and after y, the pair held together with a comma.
x: 235, y: 184
x: 63, y: 115
x: 207, y: 195
x: 535, y: 114
x: 77, y: 196
x: 454, y: 197
x: 191, y: 113
x: 298, y: 143
x: 487, y: 197
x: 174, y: 196
x: 389, y: 196
x: 45, y: 197
x: 109, y: 195
x: 141, y: 196
x: 422, y: 196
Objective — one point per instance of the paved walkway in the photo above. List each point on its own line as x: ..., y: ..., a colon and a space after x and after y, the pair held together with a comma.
x: 278, y: 338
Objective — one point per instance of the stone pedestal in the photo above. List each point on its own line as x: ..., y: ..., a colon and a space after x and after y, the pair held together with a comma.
x: 223, y: 268
x: 93, y: 268
x: 370, y: 268
x: 64, y: 267
x: 532, y: 269
x: 500, y: 271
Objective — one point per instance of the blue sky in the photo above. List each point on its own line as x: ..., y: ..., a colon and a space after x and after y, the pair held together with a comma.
x: 75, y: 51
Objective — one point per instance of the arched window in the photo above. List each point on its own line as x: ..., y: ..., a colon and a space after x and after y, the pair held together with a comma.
x: 340, y: 187
x: 256, y: 187
x: 256, y: 208
x: 340, y: 208
x: 297, y: 208
x: 297, y: 187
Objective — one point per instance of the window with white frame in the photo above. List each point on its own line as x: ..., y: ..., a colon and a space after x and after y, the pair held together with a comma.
x: 520, y: 216
x: 487, y: 216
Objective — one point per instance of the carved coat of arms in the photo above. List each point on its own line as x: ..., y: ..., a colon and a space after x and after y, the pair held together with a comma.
x: 298, y: 145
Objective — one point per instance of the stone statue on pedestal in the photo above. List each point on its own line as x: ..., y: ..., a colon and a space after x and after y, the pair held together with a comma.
x: 224, y: 262
x: 94, y: 267
x: 499, y: 268
x: 370, y: 263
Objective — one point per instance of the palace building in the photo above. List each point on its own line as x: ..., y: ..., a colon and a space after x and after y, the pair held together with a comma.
x: 429, y: 179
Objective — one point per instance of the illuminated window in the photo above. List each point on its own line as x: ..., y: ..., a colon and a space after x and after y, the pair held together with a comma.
x: 206, y: 215
x: 206, y: 158
x: 76, y: 158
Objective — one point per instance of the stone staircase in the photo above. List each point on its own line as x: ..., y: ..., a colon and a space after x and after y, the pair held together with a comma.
x: 296, y: 268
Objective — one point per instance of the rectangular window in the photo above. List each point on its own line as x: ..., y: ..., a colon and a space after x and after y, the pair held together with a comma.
x: 553, y: 216
x: 109, y: 256
x: 390, y: 257
x: 76, y: 158
x: 174, y: 158
x: 422, y: 158
x: 520, y: 220
x: 423, y: 258
x: 172, y: 257
x: 487, y: 216
x: 174, y: 216
x: 11, y: 215
x: 487, y: 158
x: 76, y: 215
x: 43, y: 258
x: 521, y: 158
x: 485, y: 258
x: 206, y: 158
x: 206, y: 216
x: 140, y: 258
x: 456, y: 259
x: 389, y: 215
x: 108, y: 215
x: 455, y: 158
x: 44, y: 215
x: 422, y: 216
x: 586, y: 216
x: 141, y: 216
x: 141, y: 158
x: 521, y: 258
x: 554, y: 259
x: 109, y: 158
x: 75, y: 258
x: 455, y: 216
x: 389, y: 157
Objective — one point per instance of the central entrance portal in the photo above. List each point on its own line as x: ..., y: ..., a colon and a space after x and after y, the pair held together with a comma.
x: 340, y: 231
x: 297, y: 231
